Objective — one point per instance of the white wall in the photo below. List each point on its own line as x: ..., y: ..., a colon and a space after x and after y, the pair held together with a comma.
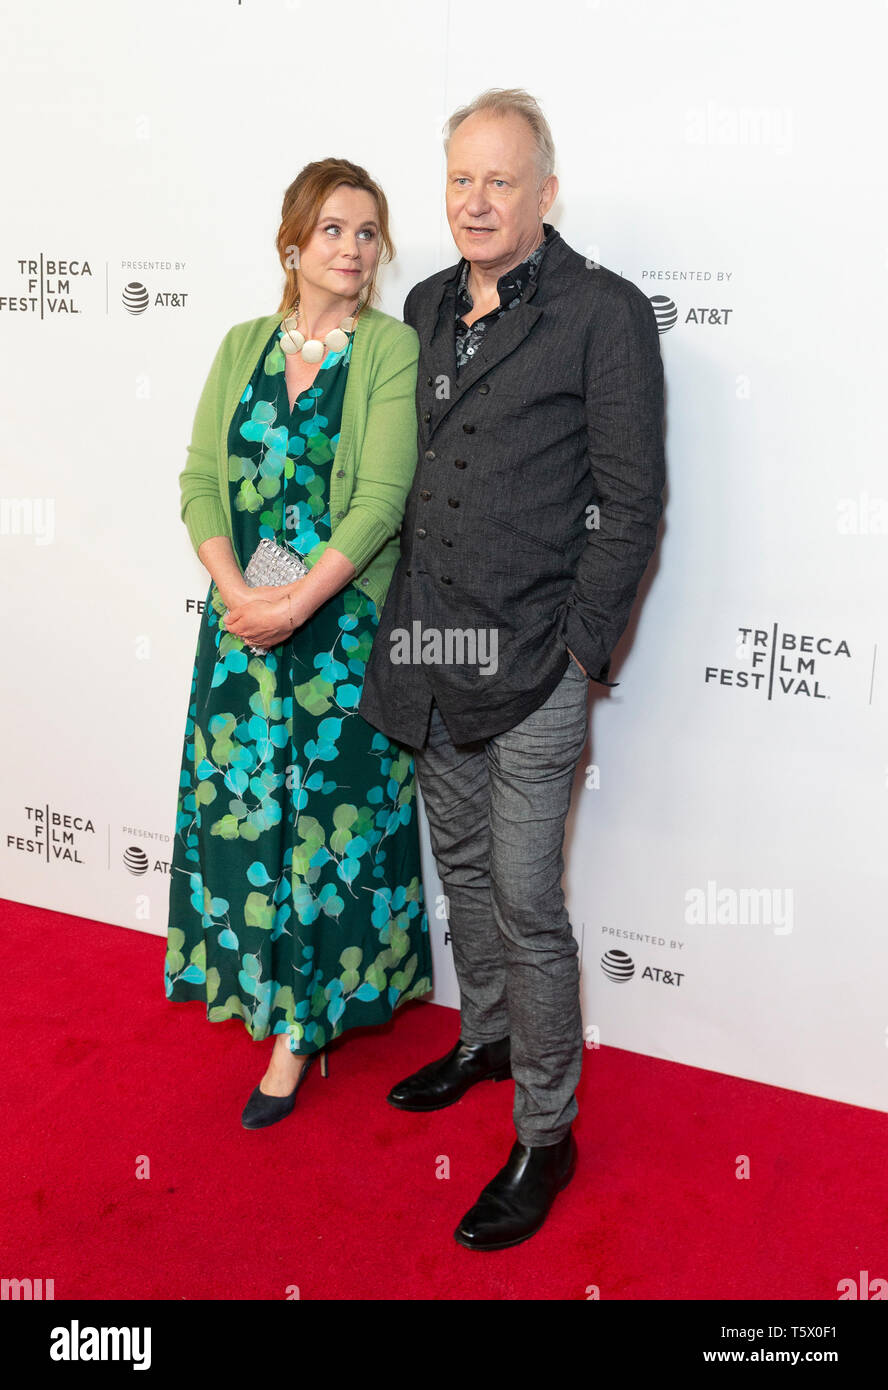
x: 739, y: 143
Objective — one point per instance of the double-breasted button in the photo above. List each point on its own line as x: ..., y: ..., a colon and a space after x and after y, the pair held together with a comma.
x: 452, y: 502
x: 459, y: 463
x: 483, y: 389
x: 421, y: 532
x: 430, y: 454
x: 425, y: 494
x: 469, y: 429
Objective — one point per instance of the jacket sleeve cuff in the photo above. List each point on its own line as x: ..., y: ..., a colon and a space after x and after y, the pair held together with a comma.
x: 588, y: 650
x: 359, y: 537
x: 204, y: 518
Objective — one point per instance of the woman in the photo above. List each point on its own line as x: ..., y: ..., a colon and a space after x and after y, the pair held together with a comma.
x: 296, y: 900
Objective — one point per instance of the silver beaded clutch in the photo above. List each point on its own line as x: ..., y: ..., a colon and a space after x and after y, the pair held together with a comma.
x: 274, y: 564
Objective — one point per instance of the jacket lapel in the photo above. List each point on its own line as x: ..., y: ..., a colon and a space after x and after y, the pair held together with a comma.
x: 436, y: 332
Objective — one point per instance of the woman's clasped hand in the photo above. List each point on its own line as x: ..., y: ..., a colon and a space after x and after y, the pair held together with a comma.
x: 264, y: 618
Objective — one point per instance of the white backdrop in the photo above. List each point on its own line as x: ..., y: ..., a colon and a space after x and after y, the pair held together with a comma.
x: 728, y: 828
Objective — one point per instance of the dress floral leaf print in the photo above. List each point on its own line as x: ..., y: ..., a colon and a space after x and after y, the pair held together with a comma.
x: 296, y: 900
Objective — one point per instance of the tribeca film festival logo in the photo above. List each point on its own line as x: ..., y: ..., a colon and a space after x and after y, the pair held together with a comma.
x: 772, y: 662
x: 53, y: 835
x: 432, y: 646
x: 49, y: 284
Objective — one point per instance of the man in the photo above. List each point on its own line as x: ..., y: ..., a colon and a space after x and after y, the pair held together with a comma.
x: 531, y: 519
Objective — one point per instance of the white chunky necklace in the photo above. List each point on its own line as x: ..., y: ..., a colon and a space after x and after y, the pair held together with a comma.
x: 313, y: 349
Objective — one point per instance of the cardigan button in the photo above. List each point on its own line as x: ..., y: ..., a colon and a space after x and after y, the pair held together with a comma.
x: 445, y: 580
x: 425, y: 494
x: 408, y: 573
x: 429, y: 381
x: 339, y: 514
x: 469, y: 429
x: 483, y: 389
x: 427, y: 415
x: 452, y: 502
x: 340, y: 472
x: 430, y: 455
x: 422, y: 532
x: 459, y: 463
x: 365, y: 582
x: 445, y: 541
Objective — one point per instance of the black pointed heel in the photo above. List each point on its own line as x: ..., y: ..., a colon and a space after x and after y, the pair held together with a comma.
x: 262, y: 1110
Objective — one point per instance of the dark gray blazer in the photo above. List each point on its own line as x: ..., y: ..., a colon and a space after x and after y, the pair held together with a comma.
x: 559, y: 412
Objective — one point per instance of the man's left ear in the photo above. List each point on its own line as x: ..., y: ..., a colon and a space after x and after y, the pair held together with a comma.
x: 549, y: 192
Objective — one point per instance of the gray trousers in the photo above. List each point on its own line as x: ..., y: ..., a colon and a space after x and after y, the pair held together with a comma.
x: 496, y: 810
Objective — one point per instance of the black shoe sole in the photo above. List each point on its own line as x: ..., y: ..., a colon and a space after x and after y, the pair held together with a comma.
x: 442, y: 1105
x: 264, y: 1124
x: 507, y: 1244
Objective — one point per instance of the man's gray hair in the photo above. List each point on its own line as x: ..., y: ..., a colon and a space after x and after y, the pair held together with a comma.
x: 500, y: 101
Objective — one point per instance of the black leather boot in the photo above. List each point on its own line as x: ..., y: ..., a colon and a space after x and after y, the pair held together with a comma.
x: 441, y: 1083
x: 514, y: 1204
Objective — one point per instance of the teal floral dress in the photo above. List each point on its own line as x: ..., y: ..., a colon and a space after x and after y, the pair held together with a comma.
x: 296, y: 899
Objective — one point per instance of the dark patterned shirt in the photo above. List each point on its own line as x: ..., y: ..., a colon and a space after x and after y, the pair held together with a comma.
x: 511, y: 287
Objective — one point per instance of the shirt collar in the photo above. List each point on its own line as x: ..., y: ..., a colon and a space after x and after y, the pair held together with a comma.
x: 512, y: 283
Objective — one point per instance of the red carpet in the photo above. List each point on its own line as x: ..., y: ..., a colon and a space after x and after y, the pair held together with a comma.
x: 342, y: 1200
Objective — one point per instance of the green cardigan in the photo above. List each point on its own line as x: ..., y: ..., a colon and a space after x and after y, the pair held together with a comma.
x: 375, y: 457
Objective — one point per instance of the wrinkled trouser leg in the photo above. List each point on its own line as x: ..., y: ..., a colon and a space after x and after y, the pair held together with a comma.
x: 496, y: 811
